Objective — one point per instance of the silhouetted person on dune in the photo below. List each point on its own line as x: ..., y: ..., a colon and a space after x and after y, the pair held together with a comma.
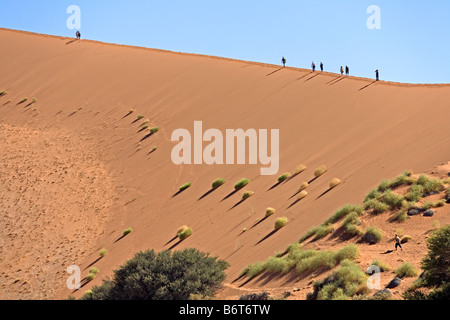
x: 321, y: 67
x: 342, y: 71
x: 377, y: 75
x: 78, y: 34
x: 313, y: 65
x: 347, y: 70
x: 283, y: 61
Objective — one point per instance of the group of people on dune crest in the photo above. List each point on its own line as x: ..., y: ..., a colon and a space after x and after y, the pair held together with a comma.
x: 347, y: 69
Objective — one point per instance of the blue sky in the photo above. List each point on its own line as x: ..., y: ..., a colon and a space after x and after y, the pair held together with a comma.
x: 413, y: 44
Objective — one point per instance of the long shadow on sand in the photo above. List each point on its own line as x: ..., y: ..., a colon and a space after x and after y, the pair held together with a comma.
x: 229, y: 195
x: 98, y: 259
x: 318, y: 74
x: 295, y: 202
x: 275, y: 71
x: 267, y: 237
x: 207, y: 194
x: 324, y: 193
x: 147, y: 136
x: 367, y: 85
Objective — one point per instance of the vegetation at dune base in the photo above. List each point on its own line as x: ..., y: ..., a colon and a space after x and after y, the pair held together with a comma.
x: 3, y: 93
x: 163, y: 276
x: 342, y: 284
x: 23, y: 100
x: 241, y: 184
x: 435, y: 282
x: 185, y: 186
x: 90, y: 277
x: 406, y: 270
x: 382, y: 265
x: 372, y: 235
x: 94, y: 270
x: 218, y: 183
x: 284, y: 177
x: 301, y: 260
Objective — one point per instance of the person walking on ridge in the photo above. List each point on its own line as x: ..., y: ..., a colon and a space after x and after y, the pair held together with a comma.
x: 313, y: 65
x: 283, y: 61
x: 342, y: 71
x: 347, y: 70
x: 321, y: 67
x: 377, y: 75
x: 78, y: 34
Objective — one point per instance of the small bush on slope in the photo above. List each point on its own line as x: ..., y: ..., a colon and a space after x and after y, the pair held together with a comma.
x: 163, y: 276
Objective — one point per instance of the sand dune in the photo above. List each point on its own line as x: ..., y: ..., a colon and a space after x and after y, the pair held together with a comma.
x: 361, y: 130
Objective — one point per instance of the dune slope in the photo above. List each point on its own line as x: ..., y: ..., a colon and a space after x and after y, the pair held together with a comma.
x: 361, y: 130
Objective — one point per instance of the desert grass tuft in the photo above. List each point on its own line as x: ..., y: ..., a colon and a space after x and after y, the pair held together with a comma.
x: 127, y: 231
x: 103, y: 252
x: 94, y: 270
x: 218, y: 183
x: 284, y: 177
x: 184, y: 233
x: 382, y: 265
x: 300, y: 168
x: 406, y: 270
x: 320, y: 171
x: 154, y: 130
x: 241, y: 184
x: 247, y: 194
x: 185, y: 186
x: 372, y: 235
x: 269, y: 212
x: 304, y: 185
x: 323, y: 231
x: 334, y: 183
x: 280, y: 223
x: 302, y: 195
x: 3, y: 93
x: 90, y: 277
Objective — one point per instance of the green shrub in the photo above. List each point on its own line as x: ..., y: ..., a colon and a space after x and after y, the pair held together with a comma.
x: 437, y: 262
x: 304, y: 185
x: 429, y: 204
x: 94, y: 270
x: 372, y: 235
x: 139, y: 117
x: 276, y: 265
x: 320, y: 171
x: 241, y: 184
x: 349, y: 252
x: 406, y: 239
x: 400, y: 216
x: 163, y: 276
x: 184, y: 234
x: 280, y: 223
x: 284, y: 177
x: 154, y: 130
x: 23, y: 100
x: 218, y: 183
x: 253, y: 270
x: 269, y: 212
x: 247, y: 194
x: 406, y: 270
x: 90, y: 277
x: 353, y: 230
x: 185, y: 186
x: 103, y: 252
x: 3, y: 93
x: 127, y: 231
x: 351, y: 218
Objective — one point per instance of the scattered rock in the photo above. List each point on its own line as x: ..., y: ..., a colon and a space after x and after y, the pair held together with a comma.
x: 428, y: 213
x: 370, y: 238
x: 394, y: 283
x: 415, y: 211
x: 286, y: 295
x: 255, y: 297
